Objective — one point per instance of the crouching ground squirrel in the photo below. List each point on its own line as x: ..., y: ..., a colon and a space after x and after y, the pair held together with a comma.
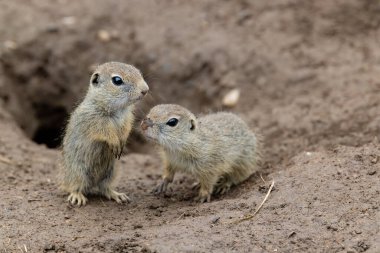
x: 98, y: 130
x: 218, y: 149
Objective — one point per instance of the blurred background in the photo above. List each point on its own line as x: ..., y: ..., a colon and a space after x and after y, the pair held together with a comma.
x: 305, y: 74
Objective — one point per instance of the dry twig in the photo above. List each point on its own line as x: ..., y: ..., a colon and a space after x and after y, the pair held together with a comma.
x: 261, y: 176
x: 250, y: 216
x: 5, y: 160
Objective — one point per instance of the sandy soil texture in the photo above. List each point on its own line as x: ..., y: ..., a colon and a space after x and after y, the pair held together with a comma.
x: 309, y: 76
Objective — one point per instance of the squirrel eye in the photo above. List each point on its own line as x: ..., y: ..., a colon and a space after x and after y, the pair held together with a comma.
x: 172, y: 122
x: 116, y: 80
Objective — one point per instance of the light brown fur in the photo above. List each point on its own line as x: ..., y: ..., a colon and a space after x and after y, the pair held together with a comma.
x: 218, y: 149
x: 98, y: 130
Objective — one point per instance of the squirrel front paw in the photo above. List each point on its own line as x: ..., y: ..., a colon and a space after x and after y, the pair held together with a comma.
x: 162, y: 187
x: 117, y: 151
x: 203, y: 196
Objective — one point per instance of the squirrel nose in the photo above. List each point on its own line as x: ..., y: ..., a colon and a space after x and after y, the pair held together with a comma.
x: 144, y: 92
x: 146, y: 123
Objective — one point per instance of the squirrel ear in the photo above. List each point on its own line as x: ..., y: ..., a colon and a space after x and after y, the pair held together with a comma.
x: 95, y: 79
x: 192, y: 124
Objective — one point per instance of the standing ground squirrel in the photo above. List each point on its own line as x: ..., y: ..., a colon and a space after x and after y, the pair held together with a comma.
x: 98, y: 130
x: 218, y: 149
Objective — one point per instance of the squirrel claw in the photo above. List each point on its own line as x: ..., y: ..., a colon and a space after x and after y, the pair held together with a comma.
x: 203, y: 198
x: 196, y: 186
x: 162, y: 187
x: 121, y: 151
x: 117, y: 196
x: 117, y: 151
x: 221, y: 189
x: 77, y: 198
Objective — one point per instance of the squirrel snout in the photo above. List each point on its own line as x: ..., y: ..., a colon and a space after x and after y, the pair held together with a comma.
x: 144, y: 92
x: 144, y: 88
x: 146, y: 123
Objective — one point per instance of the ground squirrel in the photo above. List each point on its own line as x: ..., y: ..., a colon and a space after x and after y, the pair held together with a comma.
x: 218, y: 149
x: 98, y: 130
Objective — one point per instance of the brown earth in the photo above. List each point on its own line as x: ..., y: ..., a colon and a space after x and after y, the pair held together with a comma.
x: 309, y: 73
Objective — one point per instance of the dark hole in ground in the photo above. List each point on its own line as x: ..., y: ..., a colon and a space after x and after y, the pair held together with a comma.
x: 49, y: 136
x: 51, y: 124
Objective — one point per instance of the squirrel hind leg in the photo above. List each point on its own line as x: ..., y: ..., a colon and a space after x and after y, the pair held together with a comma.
x: 206, y: 188
x: 77, y: 198
x: 106, y: 187
x: 223, y: 185
x: 119, y: 197
x: 222, y: 188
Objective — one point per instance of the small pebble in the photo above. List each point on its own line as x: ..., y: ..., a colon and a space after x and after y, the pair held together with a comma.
x: 372, y: 172
x: 215, y: 220
x: 136, y: 226
x: 231, y: 98
x: 69, y: 21
x: 48, y: 247
x: 374, y: 159
x: 10, y: 44
x: 104, y: 36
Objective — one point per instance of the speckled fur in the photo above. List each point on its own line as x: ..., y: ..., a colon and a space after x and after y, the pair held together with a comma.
x: 218, y: 149
x: 97, y: 131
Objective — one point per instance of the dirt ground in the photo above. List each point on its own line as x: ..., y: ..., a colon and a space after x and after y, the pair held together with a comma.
x: 309, y: 75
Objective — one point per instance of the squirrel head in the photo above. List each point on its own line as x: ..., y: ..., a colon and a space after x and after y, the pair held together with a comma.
x: 117, y: 85
x: 169, y: 125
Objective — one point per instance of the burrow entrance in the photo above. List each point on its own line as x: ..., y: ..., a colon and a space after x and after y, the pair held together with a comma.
x: 50, y: 127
